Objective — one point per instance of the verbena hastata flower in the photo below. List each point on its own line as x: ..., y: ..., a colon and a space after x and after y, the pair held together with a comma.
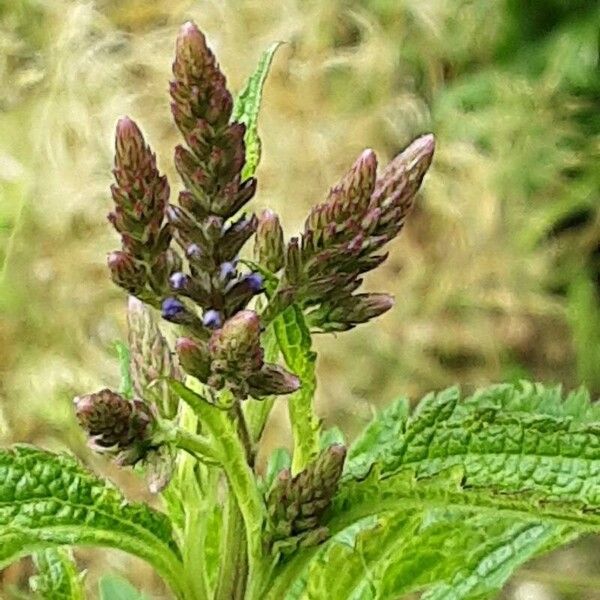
x: 141, y: 196
x: 296, y: 504
x: 202, y: 288
x: 227, y: 533
x: 343, y: 238
x: 210, y: 168
x: 116, y: 426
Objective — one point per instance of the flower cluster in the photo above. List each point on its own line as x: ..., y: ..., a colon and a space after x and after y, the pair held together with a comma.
x: 296, y: 504
x: 140, y: 193
x: 184, y: 259
x: 343, y: 238
x: 116, y: 426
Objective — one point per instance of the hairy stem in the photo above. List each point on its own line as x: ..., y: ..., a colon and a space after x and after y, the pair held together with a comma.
x: 239, y: 474
x: 233, y: 571
x: 196, y: 445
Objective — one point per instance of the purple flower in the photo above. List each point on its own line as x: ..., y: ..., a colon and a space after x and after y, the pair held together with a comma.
x: 193, y: 251
x: 227, y: 271
x: 172, y: 308
x: 212, y: 319
x: 179, y: 281
x: 255, y: 282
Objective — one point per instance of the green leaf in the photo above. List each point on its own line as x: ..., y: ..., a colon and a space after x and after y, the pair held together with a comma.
x: 124, y: 357
x: 333, y: 435
x: 112, y: 587
x: 247, y: 106
x: 280, y: 459
x: 463, y: 492
x: 49, y: 500
x: 294, y: 341
x: 375, y: 440
x: 413, y: 550
x: 57, y: 577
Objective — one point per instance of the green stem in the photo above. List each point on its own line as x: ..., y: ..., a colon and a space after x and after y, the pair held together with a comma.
x: 294, y: 341
x: 244, y: 433
x: 196, y: 445
x: 232, y: 574
x: 239, y: 475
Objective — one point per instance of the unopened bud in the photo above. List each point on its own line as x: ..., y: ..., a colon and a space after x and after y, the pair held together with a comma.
x: 115, y: 425
x: 349, y: 311
x: 269, y: 248
x: 212, y: 319
x: 194, y: 357
x: 236, y: 352
x: 175, y: 311
x: 179, y: 281
x: 273, y: 380
x: 296, y: 505
x: 126, y: 272
x: 242, y: 291
x: 361, y: 308
x: 400, y: 180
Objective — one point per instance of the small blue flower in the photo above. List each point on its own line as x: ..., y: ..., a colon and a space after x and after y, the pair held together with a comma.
x: 227, y: 271
x: 255, y: 282
x: 212, y: 319
x: 172, y: 308
x: 193, y: 251
x: 178, y: 281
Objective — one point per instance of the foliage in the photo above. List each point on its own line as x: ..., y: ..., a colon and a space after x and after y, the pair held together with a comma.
x: 450, y: 499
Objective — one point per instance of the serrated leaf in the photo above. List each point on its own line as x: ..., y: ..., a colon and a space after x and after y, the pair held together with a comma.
x: 294, y: 342
x: 465, y: 492
x: 413, y: 550
x: 112, y: 587
x: 57, y: 576
x: 333, y: 435
x: 49, y: 500
x: 373, y: 443
x: 247, y: 107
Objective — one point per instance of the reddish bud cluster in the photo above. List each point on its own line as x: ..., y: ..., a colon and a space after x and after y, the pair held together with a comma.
x: 140, y: 195
x: 116, y: 426
x: 233, y: 359
x: 343, y: 238
x: 297, y: 504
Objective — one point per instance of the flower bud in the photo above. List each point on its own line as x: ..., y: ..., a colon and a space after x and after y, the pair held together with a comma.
x: 115, y: 425
x: 269, y: 249
x: 174, y: 311
x: 236, y: 352
x: 227, y: 271
x: 296, y: 505
x: 242, y: 291
x: 194, y: 357
x: 212, y: 319
x: 126, y: 272
x: 151, y: 359
x: 400, y: 180
x: 235, y: 236
x: 345, y: 313
x: 198, y: 89
x: 179, y: 281
x: 272, y: 380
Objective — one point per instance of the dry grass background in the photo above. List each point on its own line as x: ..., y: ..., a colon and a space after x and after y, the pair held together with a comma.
x: 496, y: 275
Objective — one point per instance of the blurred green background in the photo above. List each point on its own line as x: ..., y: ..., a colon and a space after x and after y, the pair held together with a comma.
x: 496, y: 276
